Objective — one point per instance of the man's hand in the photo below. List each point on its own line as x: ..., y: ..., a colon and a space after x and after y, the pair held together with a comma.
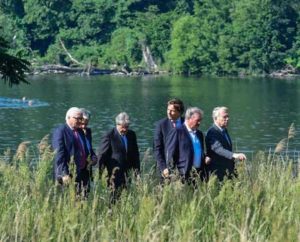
x: 239, y: 156
x: 66, y: 180
x: 94, y: 160
x: 166, y: 173
x: 138, y: 177
x: 207, y: 160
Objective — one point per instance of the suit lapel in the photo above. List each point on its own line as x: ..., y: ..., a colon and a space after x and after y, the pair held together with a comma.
x: 224, y: 140
x: 202, y: 142
x: 69, y: 139
x: 118, y: 139
x: 170, y: 125
x: 84, y: 142
x: 187, y: 133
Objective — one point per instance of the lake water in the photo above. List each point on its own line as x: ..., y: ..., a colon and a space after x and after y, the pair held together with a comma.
x: 261, y: 110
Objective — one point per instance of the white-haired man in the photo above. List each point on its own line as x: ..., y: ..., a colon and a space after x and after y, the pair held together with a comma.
x: 219, y: 146
x: 68, y: 143
x: 119, y: 153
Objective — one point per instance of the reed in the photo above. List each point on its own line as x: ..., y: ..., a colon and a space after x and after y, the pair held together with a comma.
x: 262, y: 204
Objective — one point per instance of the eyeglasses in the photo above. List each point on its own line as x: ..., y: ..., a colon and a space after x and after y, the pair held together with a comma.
x: 124, y: 126
x: 77, y: 118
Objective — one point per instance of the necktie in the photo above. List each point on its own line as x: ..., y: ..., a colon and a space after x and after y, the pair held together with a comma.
x: 173, y: 123
x: 224, y: 132
x: 124, y: 141
x: 197, y: 149
x: 81, y: 149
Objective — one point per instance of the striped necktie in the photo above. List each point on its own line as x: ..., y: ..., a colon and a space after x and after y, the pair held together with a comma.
x: 173, y: 123
x: 81, y: 149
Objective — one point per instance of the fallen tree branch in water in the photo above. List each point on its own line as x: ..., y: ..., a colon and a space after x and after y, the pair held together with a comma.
x: 68, y: 53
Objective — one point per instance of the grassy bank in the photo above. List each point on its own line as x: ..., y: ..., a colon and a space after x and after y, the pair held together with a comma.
x: 263, y: 204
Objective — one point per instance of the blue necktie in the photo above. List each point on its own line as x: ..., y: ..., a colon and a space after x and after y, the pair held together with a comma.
x: 197, y: 150
x: 124, y: 141
x: 224, y: 132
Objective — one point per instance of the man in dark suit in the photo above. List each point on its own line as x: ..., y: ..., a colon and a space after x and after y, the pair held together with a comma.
x: 187, y: 147
x: 219, y: 146
x: 92, y: 158
x: 175, y: 109
x: 69, y: 145
x: 119, y: 153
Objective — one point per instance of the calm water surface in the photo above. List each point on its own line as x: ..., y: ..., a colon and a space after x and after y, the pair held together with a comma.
x: 261, y: 110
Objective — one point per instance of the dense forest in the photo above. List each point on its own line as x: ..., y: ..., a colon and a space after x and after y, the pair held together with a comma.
x: 216, y: 37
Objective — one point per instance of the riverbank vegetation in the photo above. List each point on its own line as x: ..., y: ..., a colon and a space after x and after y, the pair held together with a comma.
x: 219, y: 37
x: 262, y: 204
x: 12, y: 68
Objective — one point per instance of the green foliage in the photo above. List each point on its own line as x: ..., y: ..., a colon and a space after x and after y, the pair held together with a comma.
x: 14, y: 33
x: 156, y: 28
x: 293, y: 57
x: 88, y: 21
x: 223, y: 37
x: 54, y: 55
x: 201, y: 49
x: 125, y: 48
x: 214, y: 26
x: 184, y: 53
x: 261, y: 205
x: 12, y: 69
x: 12, y: 7
x: 42, y: 20
x: 263, y: 36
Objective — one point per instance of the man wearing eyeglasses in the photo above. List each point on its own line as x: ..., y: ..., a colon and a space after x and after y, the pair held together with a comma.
x: 219, y: 146
x: 69, y: 145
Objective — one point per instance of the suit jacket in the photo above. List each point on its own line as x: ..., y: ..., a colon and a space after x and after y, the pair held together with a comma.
x: 65, y: 147
x: 161, y: 142
x: 113, y: 155
x: 220, y: 151
x: 182, y: 151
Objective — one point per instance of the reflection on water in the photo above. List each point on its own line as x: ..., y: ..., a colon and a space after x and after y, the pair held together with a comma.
x: 6, y: 102
x: 261, y: 110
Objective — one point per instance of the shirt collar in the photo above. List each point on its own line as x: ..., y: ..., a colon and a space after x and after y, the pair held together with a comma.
x: 176, y: 120
x: 189, y: 129
x: 73, y: 129
x: 221, y: 129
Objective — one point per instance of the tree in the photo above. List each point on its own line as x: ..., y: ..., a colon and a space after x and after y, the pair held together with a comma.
x: 12, y: 69
x: 43, y: 20
x: 183, y: 57
x: 125, y: 48
x: 263, y: 32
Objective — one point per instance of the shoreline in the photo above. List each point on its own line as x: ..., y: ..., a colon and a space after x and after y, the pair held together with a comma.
x: 88, y: 71
x: 288, y: 72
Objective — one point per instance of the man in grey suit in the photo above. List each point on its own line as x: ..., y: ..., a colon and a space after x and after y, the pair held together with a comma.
x: 219, y: 146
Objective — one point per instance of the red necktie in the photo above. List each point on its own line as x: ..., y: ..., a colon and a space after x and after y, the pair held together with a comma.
x: 81, y: 149
x: 173, y: 123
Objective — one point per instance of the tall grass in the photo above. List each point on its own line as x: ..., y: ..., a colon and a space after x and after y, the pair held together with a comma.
x: 262, y: 204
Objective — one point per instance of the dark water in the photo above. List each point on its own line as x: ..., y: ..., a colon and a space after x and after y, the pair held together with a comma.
x: 261, y: 110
